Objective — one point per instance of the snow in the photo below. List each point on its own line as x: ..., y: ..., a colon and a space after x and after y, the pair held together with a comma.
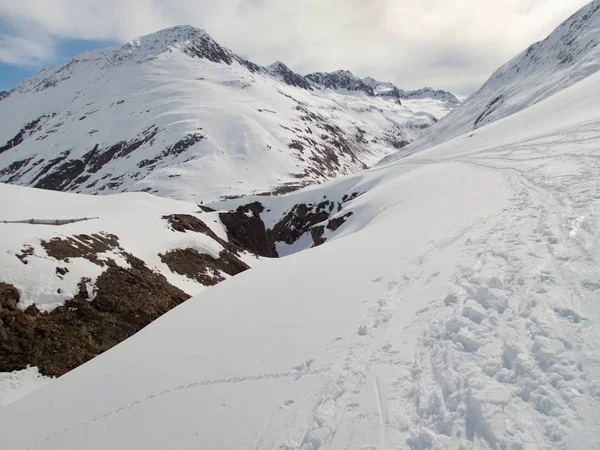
x: 17, y: 384
x: 455, y: 309
x: 568, y: 55
x: 135, y: 218
x: 247, y: 121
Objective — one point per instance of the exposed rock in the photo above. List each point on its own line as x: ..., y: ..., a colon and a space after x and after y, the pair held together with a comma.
x: 281, y: 71
x: 206, y: 209
x: 317, y: 235
x: 9, y: 296
x: 246, y: 229
x: 27, y: 130
x: 337, y: 222
x: 63, y: 173
x: 202, y: 267
x: 61, y: 271
x: 341, y: 79
x: 173, y: 150
x: 489, y: 109
x: 15, y: 167
x: 81, y: 246
x: 186, y: 222
x: 300, y: 220
x: 26, y: 251
x: 126, y: 301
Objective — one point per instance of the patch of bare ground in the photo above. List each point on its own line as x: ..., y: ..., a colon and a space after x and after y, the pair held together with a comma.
x: 126, y: 301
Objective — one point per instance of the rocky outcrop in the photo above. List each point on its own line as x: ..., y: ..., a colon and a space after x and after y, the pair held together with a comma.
x: 247, y: 230
x: 281, y: 71
x: 126, y: 300
x: 341, y: 79
x: 201, y: 267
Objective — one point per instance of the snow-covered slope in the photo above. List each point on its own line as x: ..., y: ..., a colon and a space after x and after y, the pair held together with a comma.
x: 456, y: 308
x: 565, y: 57
x: 86, y: 272
x: 139, y: 222
x: 175, y: 113
x: 80, y: 273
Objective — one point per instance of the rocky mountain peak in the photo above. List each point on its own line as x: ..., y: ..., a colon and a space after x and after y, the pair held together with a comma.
x: 285, y: 74
x: 340, y: 79
x: 192, y: 41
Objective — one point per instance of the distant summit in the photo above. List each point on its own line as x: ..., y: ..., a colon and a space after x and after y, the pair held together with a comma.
x: 177, y: 114
x: 286, y: 75
x: 341, y: 79
x: 387, y: 89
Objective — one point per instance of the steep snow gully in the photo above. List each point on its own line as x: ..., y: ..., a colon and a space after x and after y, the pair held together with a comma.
x: 457, y: 308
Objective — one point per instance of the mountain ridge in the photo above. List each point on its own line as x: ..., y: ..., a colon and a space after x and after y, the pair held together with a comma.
x: 566, y: 56
x: 175, y: 113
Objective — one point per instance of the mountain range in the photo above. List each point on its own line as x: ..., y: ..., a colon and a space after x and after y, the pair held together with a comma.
x: 176, y: 114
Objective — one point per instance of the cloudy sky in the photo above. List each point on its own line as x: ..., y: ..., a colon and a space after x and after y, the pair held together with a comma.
x: 448, y: 44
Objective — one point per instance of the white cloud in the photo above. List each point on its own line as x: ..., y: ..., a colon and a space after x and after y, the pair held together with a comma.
x: 452, y: 44
x: 23, y: 50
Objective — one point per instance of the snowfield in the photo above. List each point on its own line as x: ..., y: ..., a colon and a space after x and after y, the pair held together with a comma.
x: 456, y: 308
x: 14, y: 385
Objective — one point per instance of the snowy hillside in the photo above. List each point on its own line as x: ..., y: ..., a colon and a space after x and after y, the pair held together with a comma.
x: 176, y: 114
x: 86, y: 272
x: 455, y: 308
x: 568, y: 55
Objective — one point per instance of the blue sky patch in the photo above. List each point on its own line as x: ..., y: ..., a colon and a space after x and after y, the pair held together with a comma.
x: 11, y: 74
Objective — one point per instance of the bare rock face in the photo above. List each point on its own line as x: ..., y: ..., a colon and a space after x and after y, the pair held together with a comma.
x: 247, y: 230
x: 201, y: 267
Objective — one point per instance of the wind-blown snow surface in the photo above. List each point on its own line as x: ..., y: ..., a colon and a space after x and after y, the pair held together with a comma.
x: 14, y: 385
x: 457, y: 308
x: 569, y: 54
x: 176, y: 114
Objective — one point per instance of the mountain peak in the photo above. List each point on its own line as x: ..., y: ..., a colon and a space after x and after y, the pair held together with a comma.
x: 178, y: 33
x: 340, y: 79
x: 288, y: 76
x: 195, y: 42
x: 278, y: 66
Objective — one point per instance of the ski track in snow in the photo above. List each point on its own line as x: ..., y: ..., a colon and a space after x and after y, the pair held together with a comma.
x: 504, y: 361
x: 292, y: 374
x: 316, y: 426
